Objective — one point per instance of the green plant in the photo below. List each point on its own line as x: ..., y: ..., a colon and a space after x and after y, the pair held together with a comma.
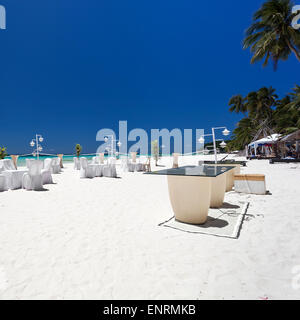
x: 3, y: 153
x: 78, y: 149
x: 155, y: 151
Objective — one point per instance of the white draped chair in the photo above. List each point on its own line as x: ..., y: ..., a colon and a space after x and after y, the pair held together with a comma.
x: 131, y: 166
x: 8, y: 164
x: 109, y: 170
x: 76, y: 163
x: 98, y: 169
x: 46, y: 171
x: 1, y: 166
x: 28, y: 162
x: 96, y: 160
x: 140, y: 167
x: 33, y: 180
x: 3, y: 183
x: 13, y: 177
x: 87, y: 170
x: 56, y: 166
x: 124, y: 164
x: 112, y: 161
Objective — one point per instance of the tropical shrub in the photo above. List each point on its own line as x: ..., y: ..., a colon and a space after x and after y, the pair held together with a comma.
x: 78, y: 149
x: 3, y: 153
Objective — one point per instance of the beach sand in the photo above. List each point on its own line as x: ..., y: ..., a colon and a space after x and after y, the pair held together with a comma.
x: 100, y: 239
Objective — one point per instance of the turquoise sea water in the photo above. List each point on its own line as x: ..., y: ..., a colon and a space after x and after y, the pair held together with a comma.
x: 66, y: 158
x: 22, y: 159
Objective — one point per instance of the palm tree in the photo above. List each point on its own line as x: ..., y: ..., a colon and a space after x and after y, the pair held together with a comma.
x: 287, y: 113
x: 258, y: 104
x: 260, y: 107
x: 236, y: 104
x: 265, y: 99
x: 286, y: 118
x: 271, y: 34
x: 295, y: 97
x: 243, y: 134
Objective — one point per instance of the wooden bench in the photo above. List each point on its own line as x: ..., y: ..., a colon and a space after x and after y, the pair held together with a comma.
x: 250, y: 183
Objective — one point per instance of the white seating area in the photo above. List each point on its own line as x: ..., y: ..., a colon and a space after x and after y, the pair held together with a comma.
x: 131, y: 165
x: 32, y: 177
x: 95, y: 168
x: 100, y: 167
x: 10, y: 177
x: 38, y: 173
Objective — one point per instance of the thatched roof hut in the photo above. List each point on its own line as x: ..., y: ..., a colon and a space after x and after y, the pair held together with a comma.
x: 292, y: 137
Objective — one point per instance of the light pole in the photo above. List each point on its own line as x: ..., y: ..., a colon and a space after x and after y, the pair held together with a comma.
x: 112, y: 143
x: 39, y: 148
x: 225, y: 132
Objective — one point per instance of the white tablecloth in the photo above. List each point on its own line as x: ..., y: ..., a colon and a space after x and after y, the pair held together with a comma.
x: 14, y: 178
x: 136, y: 167
x: 104, y: 170
x: 98, y: 169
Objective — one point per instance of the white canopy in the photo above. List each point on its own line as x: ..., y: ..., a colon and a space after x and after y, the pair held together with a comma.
x: 267, y: 140
x: 264, y: 141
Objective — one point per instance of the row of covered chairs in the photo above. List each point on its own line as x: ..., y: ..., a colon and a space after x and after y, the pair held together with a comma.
x: 128, y: 165
x: 93, y: 169
x: 33, y: 177
x: 10, y: 177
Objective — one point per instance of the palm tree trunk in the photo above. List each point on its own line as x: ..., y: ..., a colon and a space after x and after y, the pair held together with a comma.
x: 293, y: 49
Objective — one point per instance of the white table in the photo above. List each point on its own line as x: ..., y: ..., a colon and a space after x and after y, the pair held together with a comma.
x: 14, y: 178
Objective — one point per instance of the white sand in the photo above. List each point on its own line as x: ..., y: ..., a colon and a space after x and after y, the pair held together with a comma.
x: 100, y: 239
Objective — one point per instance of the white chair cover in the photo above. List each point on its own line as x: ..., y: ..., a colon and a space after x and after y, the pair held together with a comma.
x: 124, y: 164
x: 109, y: 170
x: 140, y: 167
x: 33, y: 179
x: 96, y: 160
x: 28, y: 162
x: 112, y: 160
x: 13, y: 177
x: 56, y: 166
x: 3, y: 183
x: 76, y: 163
x: 46, y: 172
x: 8, y: 164
x: 98, y: 169
x: 131, y: 166
x: 86, y: 171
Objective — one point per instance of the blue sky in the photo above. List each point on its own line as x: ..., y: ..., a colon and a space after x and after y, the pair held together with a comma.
x: 70, y: 68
